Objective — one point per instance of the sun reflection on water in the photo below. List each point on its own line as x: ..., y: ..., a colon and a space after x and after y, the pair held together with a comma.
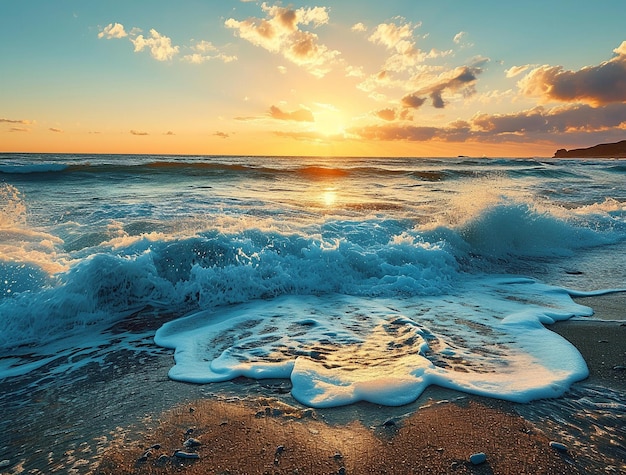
x: 329, y: 197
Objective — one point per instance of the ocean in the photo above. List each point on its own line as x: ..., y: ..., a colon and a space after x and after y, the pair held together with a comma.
x: 350, y: 279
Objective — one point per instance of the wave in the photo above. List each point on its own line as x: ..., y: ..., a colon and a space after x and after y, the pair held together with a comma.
x: 420, y: 169
x: 25, y: 169
x: 368, y: 258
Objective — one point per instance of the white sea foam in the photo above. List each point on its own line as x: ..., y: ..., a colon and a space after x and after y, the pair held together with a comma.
x: 487, y: 338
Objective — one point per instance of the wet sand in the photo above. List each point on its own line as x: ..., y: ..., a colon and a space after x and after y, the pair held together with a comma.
x: 438, y: 435
x: 104, y: 420
x: 263, y: 437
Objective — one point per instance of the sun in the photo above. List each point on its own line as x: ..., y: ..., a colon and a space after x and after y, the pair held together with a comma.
x: 330, y: 123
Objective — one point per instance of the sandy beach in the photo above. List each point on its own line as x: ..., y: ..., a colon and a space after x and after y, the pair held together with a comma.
x: 103, y: 422
x: 437, y: 434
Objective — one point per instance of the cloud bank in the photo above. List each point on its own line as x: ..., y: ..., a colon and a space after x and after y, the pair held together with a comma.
x: 596, y: 85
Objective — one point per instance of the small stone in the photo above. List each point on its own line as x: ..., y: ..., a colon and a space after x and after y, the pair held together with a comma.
x: 391, y: 422
x: 191, y: 409
x: 341, y: 471
x: 189, y: 431
x: 191, y: 442
x: 155, y: 446
x: 478, y: 458
x: 5, y: 464
x: 162, y: 460
x: 280, y: 449
x: 144, y: 457
x: 186, y: 455
x: 558, y: 446
x: 337, y: 456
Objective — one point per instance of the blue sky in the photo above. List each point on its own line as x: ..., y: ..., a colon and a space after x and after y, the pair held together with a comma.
x: 417, y: 78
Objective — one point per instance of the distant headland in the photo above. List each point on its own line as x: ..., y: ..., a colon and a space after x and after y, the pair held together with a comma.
x: 604, y: 150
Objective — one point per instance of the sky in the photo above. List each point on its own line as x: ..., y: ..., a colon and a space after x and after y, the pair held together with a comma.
x: 323, y: 78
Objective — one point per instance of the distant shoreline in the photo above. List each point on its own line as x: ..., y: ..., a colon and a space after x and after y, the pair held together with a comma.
x: 605, y: 150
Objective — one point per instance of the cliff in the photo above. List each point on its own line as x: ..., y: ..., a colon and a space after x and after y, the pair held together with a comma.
x: 605, y: 150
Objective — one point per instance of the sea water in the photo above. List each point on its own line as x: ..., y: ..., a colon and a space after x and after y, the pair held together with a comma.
x: 357, y: 279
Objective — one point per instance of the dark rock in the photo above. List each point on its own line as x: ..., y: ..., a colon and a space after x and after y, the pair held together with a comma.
x: 558, y: 446
x: 186, y: 455
x: 605, y: 150
x: 191, y: 442
x: 478, y: 458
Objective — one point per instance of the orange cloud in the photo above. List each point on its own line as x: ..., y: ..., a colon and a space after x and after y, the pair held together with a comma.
x: 16, y: 121
x: 595, y: 85
x: 300, y: 115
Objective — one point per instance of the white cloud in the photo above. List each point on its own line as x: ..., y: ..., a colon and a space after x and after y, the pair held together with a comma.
x: 160, y: 46
x: 113, y: 30
x: 280, y: 33
x: 359, y: 27
x: 516, y: 70
x: 399, y: 39
x: 354, y: 71
x: 205, y: 51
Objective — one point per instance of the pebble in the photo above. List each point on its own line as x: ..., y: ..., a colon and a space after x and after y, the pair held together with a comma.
x: 5, y: 463
x: 558, y: 446
x: 478, y: 458
x: 144, y: 457
x: 186, y: 455
x: 391, y: 422
x: 191, y: 442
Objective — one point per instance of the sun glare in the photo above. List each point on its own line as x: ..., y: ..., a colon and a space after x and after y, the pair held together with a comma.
x: 329, y: 197
x: 330, y: 123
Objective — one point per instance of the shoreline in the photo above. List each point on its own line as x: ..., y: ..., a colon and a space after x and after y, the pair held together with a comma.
x: 103, y: 424
x: 438, y: 433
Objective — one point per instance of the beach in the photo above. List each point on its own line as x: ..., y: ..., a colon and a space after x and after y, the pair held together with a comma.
x: 102, y: 422
x: 434, y: 435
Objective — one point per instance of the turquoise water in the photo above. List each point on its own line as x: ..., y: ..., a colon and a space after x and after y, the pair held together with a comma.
x: 330, y: 272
